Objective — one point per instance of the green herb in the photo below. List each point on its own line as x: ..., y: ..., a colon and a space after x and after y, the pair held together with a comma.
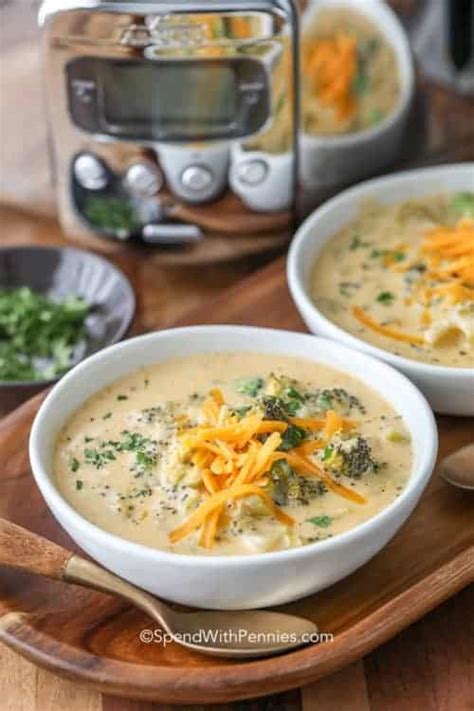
x: 324, y: 401
x: 250, y: 386
x: 98, y: 457
x: 122, y: 397
x: 111, y: 214
x: 385, y: 297
x: 107, y: 416
x: 375, y: 253
x: 396, y: 255
x: 293, y: 394
x: 74, y: 464
x: 463, y: 204
x: 327, y: 452
x: 360, y: 83
x: 321, y: 521
x: 374, y: 116
x: 37, y: 334
x: 357, y: 243
x: 291, y: 437
x: 143, y: 447
x: 79, y: 484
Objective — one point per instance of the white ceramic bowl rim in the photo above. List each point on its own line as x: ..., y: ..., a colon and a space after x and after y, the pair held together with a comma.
x: 402, y: 51
x: 417, y: 479
x: 301, y: 292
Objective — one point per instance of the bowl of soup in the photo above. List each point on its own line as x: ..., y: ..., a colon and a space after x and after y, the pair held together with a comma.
x: 232, y: 467
x: 387, y: 267
x: 357, y: 85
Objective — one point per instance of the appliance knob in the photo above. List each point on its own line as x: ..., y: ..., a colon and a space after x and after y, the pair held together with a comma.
x: 90, y: 172
x: 143, y: 180
x: 252, y: 172
x: 197, y: 178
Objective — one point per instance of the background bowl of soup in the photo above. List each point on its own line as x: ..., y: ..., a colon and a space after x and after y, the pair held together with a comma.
x: 369, y: 135
x: 449, y: 389
x: 232, y: 581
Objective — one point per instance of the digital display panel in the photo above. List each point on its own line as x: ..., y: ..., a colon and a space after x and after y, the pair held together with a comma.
x: 193, y: 97
x: 173, y: 99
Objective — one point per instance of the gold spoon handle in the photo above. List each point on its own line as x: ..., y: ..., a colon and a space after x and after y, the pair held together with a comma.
x: 25, y: 550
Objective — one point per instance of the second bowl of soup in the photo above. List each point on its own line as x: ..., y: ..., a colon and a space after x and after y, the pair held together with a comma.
x: 388, y: 266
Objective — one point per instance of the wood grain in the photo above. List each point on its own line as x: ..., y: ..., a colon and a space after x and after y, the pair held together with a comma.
x: 431, y: 558
x: 25, y: 550
x: 427, y: 666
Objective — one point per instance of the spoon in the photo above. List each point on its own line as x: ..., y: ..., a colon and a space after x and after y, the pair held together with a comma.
x: 252, y: 633
x: 458, y: 468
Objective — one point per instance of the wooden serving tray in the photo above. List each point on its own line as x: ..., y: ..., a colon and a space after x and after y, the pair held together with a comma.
x: 92, y: 637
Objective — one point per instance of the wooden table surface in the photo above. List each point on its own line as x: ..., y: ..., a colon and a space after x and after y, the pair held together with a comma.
x: 429, y: 666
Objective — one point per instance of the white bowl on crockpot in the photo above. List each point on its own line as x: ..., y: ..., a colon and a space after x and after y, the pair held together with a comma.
x: 235, y: 582
x: 329, y: 161
x: 449, y: 390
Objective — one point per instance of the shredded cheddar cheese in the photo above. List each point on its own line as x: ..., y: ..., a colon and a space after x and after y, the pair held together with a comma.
x: 332, y: 64
x: 388, y: 331
x: 453, y: 250
x: 233, y: 459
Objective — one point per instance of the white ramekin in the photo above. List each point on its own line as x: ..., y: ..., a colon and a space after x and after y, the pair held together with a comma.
x: 449, y: 390
x: 329, y: 161
x: 226, y: 582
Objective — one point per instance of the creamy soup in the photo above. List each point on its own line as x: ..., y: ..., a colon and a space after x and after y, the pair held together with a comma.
x: 402, y: 278
x: 350, y: 78
x: 349, y: 81
x: 232, y: 454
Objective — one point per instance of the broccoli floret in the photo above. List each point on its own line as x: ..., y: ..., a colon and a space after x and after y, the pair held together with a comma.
x: 352, y: 458
x: 287, y: 488
x: 336, y: 399
x: 273, y: 408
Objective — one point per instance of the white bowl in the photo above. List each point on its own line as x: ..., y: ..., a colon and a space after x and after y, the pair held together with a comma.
x: 449, y: 390
x: 328, y: 161
x: 227, y: 582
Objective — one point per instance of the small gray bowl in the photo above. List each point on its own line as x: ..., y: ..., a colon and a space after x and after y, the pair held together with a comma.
x: 59, y: 272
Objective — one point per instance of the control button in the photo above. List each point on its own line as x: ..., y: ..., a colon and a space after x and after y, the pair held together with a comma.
x: 197, y: 178
x: 143, y: 179
x: 90, y: 172
x: 251, y: 172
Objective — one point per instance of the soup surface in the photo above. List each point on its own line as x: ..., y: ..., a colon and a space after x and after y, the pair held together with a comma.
x: 402, y: 278
x: 350, y: 78
x: 232, y: 453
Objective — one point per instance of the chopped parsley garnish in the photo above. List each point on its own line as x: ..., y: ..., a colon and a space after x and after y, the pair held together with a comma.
x: 250, y: 386
x: 107, y: 416
x: 395, y: 255
x: 320, y: 521
x: 385, y: 297
x: 74, y: 464
x: 98, y: 458
x: 122, y: 397
x: 79, y: 484
x: 463, y: 204
x: 38, y: 335
x: 357, y: 243
x: 327, y: 452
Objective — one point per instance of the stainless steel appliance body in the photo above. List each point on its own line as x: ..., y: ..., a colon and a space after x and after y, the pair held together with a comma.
x: 172, y: 121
